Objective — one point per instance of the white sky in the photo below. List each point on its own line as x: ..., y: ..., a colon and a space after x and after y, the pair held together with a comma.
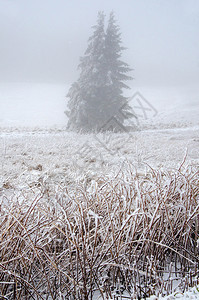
x: 42, y: 40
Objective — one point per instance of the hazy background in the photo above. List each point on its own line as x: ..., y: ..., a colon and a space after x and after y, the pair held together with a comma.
x: 41, y: 42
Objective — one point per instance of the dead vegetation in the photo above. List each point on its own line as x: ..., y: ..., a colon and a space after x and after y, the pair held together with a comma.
x: 135, y: 232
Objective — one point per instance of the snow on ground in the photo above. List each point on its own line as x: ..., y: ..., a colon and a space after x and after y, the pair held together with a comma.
x: 67, y: 157
x: 167, y: 127
x: 192, y: 293
x: 38, y: 104
x: 31, y: 104
x: 35, y: 147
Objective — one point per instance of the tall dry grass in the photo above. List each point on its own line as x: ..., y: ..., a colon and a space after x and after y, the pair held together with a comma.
x: 134, y: 232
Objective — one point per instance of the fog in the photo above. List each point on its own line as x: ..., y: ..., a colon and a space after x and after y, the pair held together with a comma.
x: 41, y: 42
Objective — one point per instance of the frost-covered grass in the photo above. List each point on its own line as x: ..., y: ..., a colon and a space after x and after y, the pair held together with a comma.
x: 130, y: 232
x: 88, y: 216
x: 30, y: 157
x: 97, y: 216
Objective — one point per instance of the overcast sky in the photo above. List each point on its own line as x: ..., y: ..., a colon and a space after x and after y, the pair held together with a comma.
x: 42, y: 40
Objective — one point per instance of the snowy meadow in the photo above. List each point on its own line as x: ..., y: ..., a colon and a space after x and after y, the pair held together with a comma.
x: 99, y: 150
x: 98, y: 216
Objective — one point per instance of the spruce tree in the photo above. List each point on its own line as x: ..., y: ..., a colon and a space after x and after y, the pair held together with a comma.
x: 97, y: 95
x: 116, y: 73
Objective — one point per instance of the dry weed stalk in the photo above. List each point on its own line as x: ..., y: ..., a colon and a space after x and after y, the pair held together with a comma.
x: 134, y: 232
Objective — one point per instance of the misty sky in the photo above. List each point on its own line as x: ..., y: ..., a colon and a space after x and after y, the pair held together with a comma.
x: 42, y: 40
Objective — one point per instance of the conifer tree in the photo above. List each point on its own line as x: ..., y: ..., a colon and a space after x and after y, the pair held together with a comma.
x: 116, y: 72
x: 97, y: 95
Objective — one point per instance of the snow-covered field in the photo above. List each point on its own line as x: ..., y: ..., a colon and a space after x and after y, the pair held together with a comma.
x: 35, y: 147
x: 33, y: 122
x: 32, y: 104
x: 43, y: 105
x: 67, y: 157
